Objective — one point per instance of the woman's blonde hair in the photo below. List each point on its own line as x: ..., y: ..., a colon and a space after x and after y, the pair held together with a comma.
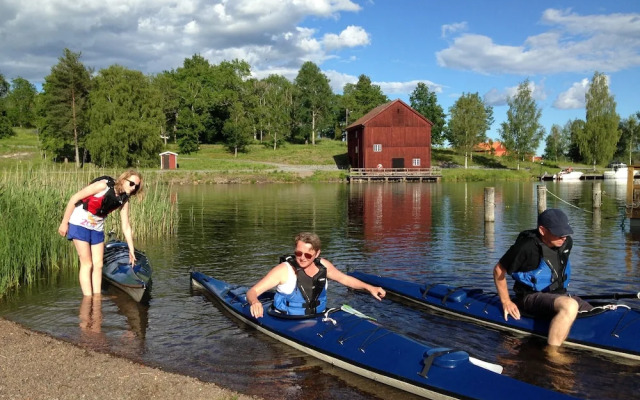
x: 309, y: 238
x: 122, y: 180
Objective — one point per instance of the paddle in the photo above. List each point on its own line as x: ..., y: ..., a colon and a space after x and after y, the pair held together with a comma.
x: 614, y: 296
x: 483, y: 364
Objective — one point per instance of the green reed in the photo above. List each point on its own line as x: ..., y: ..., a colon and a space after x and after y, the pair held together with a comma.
x: 32, y: 201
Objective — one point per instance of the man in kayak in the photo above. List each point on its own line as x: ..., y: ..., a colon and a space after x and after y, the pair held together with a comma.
x: 301, y: 281
x: 539, y: 263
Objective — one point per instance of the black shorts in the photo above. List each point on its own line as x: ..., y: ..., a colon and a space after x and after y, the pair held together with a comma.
x: 540, y: 304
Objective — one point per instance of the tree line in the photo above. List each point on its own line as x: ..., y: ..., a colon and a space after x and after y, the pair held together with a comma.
x: 120, y: 117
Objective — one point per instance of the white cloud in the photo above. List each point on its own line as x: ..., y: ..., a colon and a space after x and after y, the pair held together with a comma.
x: 157, y: 35
x: 407, y: 87
x: 572, y: 98
x: 352, y: 36
x: 496, y: 97
x: 448, y: 29
x: 575, y: 44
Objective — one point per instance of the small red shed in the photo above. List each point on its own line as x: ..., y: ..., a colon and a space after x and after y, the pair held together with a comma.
x: 168, y: 160
x: 392, y: 135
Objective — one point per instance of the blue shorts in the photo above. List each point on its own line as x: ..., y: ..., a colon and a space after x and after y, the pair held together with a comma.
x: 84, y: 234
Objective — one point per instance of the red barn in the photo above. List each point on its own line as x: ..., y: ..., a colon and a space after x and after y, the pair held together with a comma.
x: 392, y: 135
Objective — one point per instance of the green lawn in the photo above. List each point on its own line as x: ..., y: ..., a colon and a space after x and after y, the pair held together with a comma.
x: 214, y: 163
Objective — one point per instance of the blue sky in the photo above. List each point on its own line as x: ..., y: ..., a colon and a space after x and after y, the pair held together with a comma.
x: 453, y: 46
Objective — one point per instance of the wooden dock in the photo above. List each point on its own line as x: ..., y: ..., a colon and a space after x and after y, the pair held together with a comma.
x: 432, y: 174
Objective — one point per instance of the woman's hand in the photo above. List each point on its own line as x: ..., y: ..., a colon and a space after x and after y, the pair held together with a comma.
x: 257, y: 310
x: 132, y: 258
x: 377, y: 292
x: 63, y: 229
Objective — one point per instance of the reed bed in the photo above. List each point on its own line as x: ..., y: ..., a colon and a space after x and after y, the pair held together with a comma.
x: 32, y: 201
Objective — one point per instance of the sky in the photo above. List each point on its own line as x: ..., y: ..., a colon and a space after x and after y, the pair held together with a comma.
x: 454, y: 46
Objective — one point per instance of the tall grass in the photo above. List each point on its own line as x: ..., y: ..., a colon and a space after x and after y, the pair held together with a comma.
x: 32, y: 200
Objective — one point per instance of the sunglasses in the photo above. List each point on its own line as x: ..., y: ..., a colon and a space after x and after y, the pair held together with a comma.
x: 132, y: 184
x: 306, y: 255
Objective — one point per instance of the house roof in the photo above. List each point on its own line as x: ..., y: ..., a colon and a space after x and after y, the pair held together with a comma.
x: 379, y: 110
x: 168, y: 152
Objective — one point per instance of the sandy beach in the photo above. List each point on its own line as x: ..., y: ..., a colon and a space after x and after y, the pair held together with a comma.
x: 37, y: 366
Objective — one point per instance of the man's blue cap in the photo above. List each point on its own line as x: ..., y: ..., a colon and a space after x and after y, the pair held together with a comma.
x: 555, y: 221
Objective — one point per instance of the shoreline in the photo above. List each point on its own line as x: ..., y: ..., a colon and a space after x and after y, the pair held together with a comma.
x: 34, y: 365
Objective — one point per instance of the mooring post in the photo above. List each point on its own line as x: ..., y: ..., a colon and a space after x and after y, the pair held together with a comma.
x: 597, y: 195
x: 489, y: 204
x: 542, y: 198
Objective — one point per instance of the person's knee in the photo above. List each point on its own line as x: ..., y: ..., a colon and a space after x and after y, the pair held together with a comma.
x: 568, y: 305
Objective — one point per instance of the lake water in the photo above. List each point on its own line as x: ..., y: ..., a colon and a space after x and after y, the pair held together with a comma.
x: 425, y: 232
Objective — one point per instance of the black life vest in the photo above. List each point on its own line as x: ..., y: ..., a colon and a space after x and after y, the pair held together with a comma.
x: 310, y: 295
x: 102, y: 206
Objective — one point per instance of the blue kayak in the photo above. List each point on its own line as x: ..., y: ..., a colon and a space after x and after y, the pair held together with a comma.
x: 116, y: 270
x: 352, y: 341
x: 610, y: 328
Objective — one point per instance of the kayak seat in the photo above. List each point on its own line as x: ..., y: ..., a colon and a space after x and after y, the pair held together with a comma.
x: 445, y: 293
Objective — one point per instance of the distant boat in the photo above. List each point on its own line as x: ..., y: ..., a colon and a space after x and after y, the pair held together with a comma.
x: 568, y: 175
x: 618, y: 171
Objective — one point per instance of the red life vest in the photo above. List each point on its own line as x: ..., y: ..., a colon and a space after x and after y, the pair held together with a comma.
x: 102, y: 206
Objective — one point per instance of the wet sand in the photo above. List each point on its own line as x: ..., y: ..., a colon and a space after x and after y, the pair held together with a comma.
x: 37, y: 366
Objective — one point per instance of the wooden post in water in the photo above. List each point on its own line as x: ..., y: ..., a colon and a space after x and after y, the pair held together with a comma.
x: 597, y: 195
x: 542, y: 198
x: 489, y: 204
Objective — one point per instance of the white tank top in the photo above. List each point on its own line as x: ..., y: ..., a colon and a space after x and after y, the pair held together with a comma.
x: 83, y: 218
x: 290, y: 284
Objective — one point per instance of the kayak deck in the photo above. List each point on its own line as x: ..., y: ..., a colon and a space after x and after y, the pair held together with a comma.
x: 614, y: 330
x: 117, y: 270
x: 366, y: 348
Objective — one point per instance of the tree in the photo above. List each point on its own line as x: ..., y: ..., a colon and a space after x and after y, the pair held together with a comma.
x: 598, y: 140
x: 275, y: 109
x: 196, y: 88
x: 5, y: 125
x: 166, y: 84
x: 557, y: 143
x: 469, y: 121
x: 362, y: 97
x: 126, y: 119
x: 237, y: 129
x: 521, y: 132
x: 425, y: 102
x: 313, y: 97
x: 21, y: 102
x: 65, y: 106
x: 628, y: 143
x: 574, y: 129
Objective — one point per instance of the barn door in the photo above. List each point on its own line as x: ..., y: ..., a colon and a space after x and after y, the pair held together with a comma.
x: 397, y: 163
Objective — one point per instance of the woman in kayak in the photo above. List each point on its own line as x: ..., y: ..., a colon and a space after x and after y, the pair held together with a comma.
x: 301, y: 281
x: 83, y: 222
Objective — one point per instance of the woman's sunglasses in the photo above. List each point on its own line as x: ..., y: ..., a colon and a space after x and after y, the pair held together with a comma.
x: 306, y: 255
x: 132, y: 184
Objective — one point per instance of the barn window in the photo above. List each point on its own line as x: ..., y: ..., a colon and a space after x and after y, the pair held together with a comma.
x: 356, y: 149
x: 377, y: 148
x: 416, y: 162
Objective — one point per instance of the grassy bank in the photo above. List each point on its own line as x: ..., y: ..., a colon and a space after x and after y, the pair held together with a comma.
x: 324, y: 162
x: 32, y: 200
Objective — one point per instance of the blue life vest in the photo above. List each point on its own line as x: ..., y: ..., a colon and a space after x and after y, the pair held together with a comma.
x: 547, y: 277
x: 310, y: 295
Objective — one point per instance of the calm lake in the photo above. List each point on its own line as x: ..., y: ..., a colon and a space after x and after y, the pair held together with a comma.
x: 425, y: 232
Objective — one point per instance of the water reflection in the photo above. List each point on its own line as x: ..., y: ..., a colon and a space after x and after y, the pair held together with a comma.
x: 90, y: 316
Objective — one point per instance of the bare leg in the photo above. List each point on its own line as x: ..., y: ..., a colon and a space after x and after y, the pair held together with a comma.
x: 566, y: 312
x: 84, y: 252
x: 97, y: 253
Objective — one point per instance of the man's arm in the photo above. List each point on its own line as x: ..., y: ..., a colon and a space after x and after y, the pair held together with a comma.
x: 500, y: 280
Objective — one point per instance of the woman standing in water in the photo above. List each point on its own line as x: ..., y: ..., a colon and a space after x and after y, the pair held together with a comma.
x: 83, y: 222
